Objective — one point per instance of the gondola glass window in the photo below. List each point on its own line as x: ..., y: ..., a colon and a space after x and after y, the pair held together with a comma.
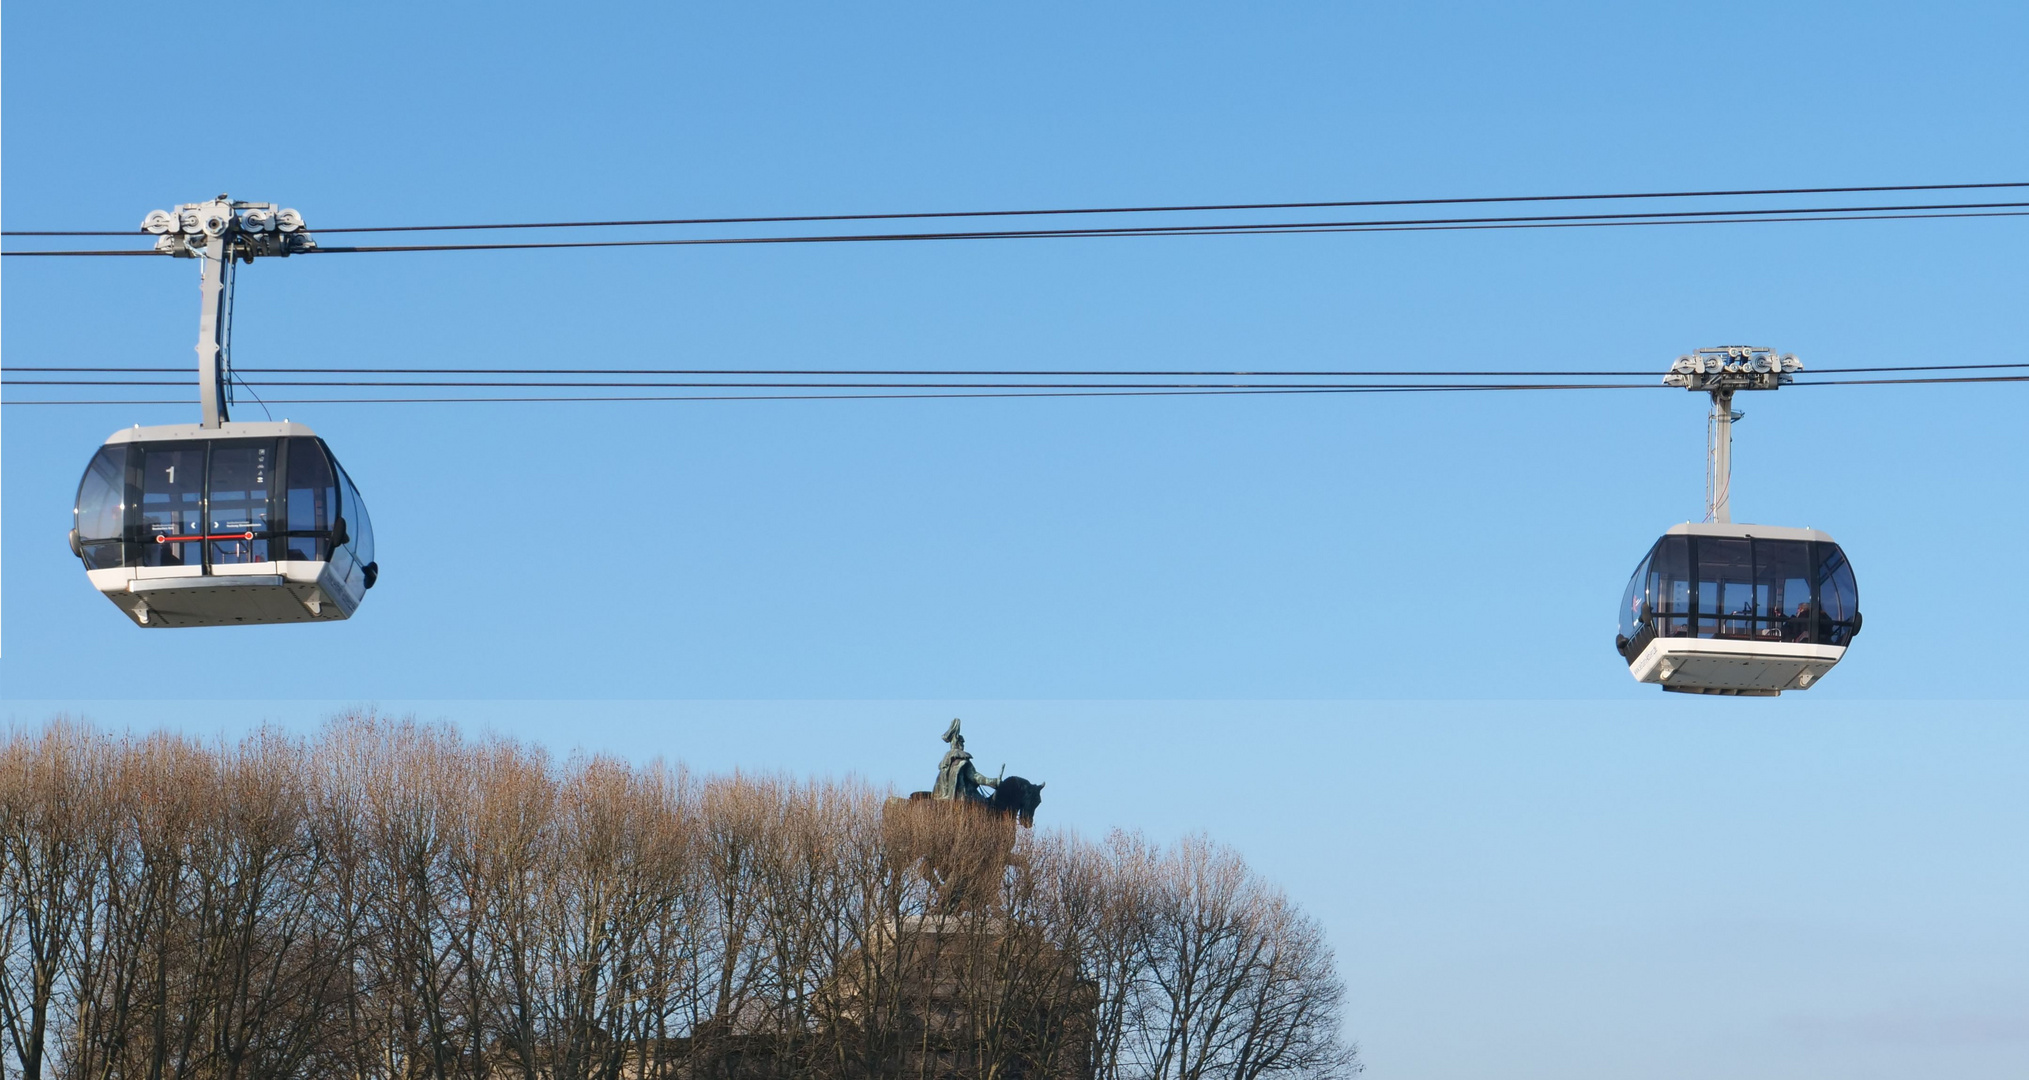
x: 1726, y: 587
x: 162, y: 503
x: 358, y: 528
x: 172, y: 503
x: 102, y: 508
x: 1742, y: 589
x: 313, y: 500
x: 1837, y: 593
x: 1782, y: 588
x: 242, y: 475
x: 1659, y: 593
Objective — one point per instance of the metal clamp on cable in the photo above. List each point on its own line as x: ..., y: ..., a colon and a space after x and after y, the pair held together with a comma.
x: 243, y: 230
x: 1733, y: 367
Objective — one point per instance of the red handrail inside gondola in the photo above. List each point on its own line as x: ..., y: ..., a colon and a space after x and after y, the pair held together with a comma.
x: 221, y: 536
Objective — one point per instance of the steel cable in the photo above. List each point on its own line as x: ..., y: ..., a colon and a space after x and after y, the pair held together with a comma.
x: 1546, y: 221
x: 1068, y: 211
x: 1006, y: 372
x: 1092, y: 393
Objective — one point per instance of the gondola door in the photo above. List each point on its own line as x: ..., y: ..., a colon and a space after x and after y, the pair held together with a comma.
x: 172, y: 517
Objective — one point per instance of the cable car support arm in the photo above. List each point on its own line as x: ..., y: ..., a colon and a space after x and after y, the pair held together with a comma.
x: 219, y: 232
x: 1720, y: 372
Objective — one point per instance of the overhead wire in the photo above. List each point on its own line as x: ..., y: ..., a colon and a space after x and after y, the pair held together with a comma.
x: 973, y: 388
x: 780, y: 383
x: 1178, y: 209
x: 1734, y: 216
x: 578, y: 384
x: 1257, y: 228
x: 962, y: 391
x: 1007, y: 372
x: 1103, y: 210
x: 1912, y: 382
x: 1223, y: 392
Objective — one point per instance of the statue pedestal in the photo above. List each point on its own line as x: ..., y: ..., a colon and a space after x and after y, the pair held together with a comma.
x: 970, y: 995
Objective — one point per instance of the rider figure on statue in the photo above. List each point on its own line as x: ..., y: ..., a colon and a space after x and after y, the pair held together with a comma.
x: 956, y: 778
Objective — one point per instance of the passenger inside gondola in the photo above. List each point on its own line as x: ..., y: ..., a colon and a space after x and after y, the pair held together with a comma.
x: 1798, y: 627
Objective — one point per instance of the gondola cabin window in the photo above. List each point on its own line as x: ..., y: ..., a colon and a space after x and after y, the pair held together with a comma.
x: 242, y: 483
x: 1670, y: 586
x: 102, y: 509
x: 1742, y: 589
x: 1838, y: 595
x: 313, y: 500
x: 172, y: 504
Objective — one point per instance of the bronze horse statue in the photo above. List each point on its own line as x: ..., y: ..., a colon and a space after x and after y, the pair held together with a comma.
x: 965, y: 858
x: 1016, y: 796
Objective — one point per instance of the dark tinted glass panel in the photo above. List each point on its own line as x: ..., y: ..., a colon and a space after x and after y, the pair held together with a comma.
x: 313, y: 498
x: 242, y: 483
x: 102, y: 495
x: 348, y: 511
x: 105, y: 556
x: 1727, y: 587
x: 358, y: 527
x: 1838, y: 596
x: 1726, y: 605
x: 1782, y: 589
x: 101, y: 506
x: 1632, y: 599
x: 359, y: 521
x: 1670, y: 586
x: 172, y: 503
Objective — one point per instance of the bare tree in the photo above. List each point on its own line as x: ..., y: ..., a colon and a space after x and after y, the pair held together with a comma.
x: 390, y: 901
x: 48, y: 883
x: 1217, y: 975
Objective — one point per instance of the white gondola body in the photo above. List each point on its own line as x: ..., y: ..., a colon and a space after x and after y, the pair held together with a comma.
x: 1768, y: 609
x: 265, y: 579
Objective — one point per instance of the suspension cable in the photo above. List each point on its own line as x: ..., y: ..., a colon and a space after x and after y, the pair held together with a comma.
x: 1121, y: 210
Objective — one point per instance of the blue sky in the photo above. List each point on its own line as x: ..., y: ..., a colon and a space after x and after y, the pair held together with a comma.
x: 1305, y: 582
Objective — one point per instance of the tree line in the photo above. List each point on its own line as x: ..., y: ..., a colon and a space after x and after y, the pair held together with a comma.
x: 389, y: 900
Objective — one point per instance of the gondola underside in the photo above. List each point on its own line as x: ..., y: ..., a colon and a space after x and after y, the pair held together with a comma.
x: 298, y: 592
x: 1735, y: 668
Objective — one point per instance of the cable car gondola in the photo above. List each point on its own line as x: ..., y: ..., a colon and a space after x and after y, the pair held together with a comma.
x: 1741, y: 610
x: 1738, y: 609
x: 223, y: 523
x: 244, y: 523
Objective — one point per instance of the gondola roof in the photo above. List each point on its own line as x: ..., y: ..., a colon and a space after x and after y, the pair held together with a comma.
x: 1739, y: 529
x: 248, y: 429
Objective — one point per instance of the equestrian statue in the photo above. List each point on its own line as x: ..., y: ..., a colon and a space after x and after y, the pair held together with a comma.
x: 967, y: 840
x: 960, y: 781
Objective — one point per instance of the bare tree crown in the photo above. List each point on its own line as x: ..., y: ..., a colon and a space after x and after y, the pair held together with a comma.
x: 391, y: 901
